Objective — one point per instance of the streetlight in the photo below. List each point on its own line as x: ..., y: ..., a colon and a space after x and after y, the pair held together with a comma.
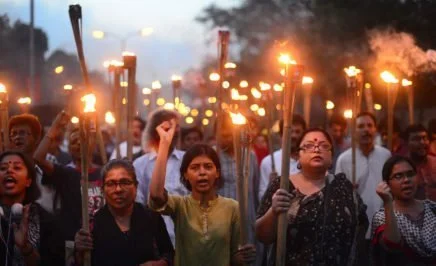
x: 144, y: 32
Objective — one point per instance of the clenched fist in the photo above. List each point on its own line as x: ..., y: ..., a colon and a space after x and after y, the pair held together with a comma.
x: 384, y: 192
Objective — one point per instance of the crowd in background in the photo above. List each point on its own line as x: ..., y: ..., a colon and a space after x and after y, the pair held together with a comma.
x: 176, y: 202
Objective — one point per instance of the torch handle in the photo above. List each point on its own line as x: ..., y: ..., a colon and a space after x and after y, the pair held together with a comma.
x: 117, y: 102
x: 411, y: 105
x: 390, y: 115
x: 307, y: 103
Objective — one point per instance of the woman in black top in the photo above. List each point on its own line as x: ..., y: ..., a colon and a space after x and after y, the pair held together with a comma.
x: 124, y: 232
x: 325, y: 223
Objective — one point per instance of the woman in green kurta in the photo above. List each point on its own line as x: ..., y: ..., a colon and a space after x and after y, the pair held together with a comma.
x: 206, y: 224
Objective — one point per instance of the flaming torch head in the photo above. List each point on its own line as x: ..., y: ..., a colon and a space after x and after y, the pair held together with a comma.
x: 256, y: 93
x: 89, y: 100
x: 307, y: 80
x: 234, y: 94
x: 388, y: 77
x: 2, y: 88
x: 238, y: 119
x: 406, y: 83
x: 286, y: 59
x: 352, y: 71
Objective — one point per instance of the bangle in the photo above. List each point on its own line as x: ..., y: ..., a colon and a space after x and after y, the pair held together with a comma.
x: 27, y: 253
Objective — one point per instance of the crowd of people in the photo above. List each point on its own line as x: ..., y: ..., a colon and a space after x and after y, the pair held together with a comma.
x: 176, y: 201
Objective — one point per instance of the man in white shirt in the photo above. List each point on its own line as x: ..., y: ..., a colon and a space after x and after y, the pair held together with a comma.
x: 370, y: 159
x: 144, y: 165
x: 138, y: 127
x: 297, y: 129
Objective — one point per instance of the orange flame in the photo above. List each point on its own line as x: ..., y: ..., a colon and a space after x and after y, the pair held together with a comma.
x: 89, y: 100
x: 256, y: 93
x: 388, y: 77
x: 406, y: 83
x: 352, y: 71
x: 307, y: 80
x: 238, y: 119
x: 286, y: 59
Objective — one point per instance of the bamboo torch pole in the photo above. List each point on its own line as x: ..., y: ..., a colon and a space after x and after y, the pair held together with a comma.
x: 176, y: 82
x: 4, y: 118
x: 293, y: 78
x: 392, y: 86
x: 410, y: 99
x: 130, y: 64
x: 224, y: 37
x: 117, y: 106
x: 307, y: 91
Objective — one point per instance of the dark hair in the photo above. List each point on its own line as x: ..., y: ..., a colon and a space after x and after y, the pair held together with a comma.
x: 27, y: 119
x: 187, y: 131
x: 432, y: 128
x: 338, y: 119
x: 383, y: 125
x: 391, y: 162
x: 296, y: 120
x: 320, y: 130
x: 119, y: 163
x: 141, y: 121
x: 156, y: 118
x: 413, y: 129
x: 372, y: 116
x: 32, y: 192
x: 193, y: 152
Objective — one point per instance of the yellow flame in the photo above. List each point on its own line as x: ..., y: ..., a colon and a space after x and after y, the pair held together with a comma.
x: 124, y: 101
x: 238, y: 119
x: 264, y: 86
x: 68, y: 87
x: 114, y: 63
x: 127, y: 53
x: 90, y: 101
x: 155, y: 85
x: 74, y: 120
x: 261, y: 112
x: 406, y: 83
x: 98, y: 34
x: 348, y: 114
x: 368, y: 86
x: 254, y: 107
x: 234, y: 94
x: 307, y: 80
x: 212, y: 99
x: 124, y: 84
x: 230, y: 65
x: 226, y: 84
x: 256, y: 93
x: 189, y: 120
x: 352, y: 71
x: 146, y: 102
x: 146, y: 91
x: 208, y: 113
x: 205, y: 121
x: 388, y: 77
x: 160, y: 101
x: 282, y: 72
x: 243, y: 84
x: 59, y: 69
x: 194, y: 112
x: 278, y: 106
x: 243, y: 97
x: 24, y: 100
x: 377, y: 106
x: 168, y: 106
x: 109, y: 118
x: 176, y: 78
x: 286, y: 59
x: 278, y: 87
x: 329, y: 105
x: 2, y: 88
x: 214, y: 76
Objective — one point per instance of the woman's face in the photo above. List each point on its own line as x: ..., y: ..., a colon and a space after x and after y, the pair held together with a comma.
x: 119, y: 188
x: 13, y: 176
x: 202, y: 174
x: 402, y: 181
x: 315, y: 151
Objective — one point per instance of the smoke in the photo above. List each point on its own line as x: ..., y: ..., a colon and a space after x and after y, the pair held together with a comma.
x: 399, y: 50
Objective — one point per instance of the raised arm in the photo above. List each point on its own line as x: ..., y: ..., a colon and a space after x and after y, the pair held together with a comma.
x: 40, y: 154
x: 157, y: 184
x: 391, y: 232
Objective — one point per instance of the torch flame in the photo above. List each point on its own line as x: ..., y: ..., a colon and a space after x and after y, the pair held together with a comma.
x: 238, y: 119
x: 109, y: 118
x: 176, y: 78
x: 243, y: 97
x: 126, y: 53
x: 235, y: 94
x: 90, y: 101
x: 278, y: 87
x: 264, y: 86
x: 230, y: 65
x: 68, y: 87
x: 243, y: 84
x: 155, y: 85
x: 329, y: 105
x: 214, y: 76
x: 388, y: 77
x: 406, y: 83
x: 348, y: 114
x: 307, y: 80
x: 286, y: 59
x: 24, y: 100
x: 2, y: 88
x: 256, y: 93
x: 352, y: 71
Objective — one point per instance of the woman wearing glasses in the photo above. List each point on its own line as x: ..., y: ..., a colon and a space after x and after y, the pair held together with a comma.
x: 325, y: 222
x: 404, y: 229
x: 124, y: 232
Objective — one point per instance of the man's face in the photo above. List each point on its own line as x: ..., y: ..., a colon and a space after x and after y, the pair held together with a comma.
x: 365, y: 130
x: 137, y: 132
x: 226, y: 138
x: 337, y: 132
x: 418, y: 143
x: 22, y: 139
x: 191, y: 139
x: 296, y: 133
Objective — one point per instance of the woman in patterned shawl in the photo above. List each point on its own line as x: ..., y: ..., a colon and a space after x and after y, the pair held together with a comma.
x: 404, y: 230
x: 326, y: 218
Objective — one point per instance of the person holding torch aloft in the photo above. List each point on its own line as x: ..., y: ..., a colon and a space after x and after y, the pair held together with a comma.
x: 206, y: 224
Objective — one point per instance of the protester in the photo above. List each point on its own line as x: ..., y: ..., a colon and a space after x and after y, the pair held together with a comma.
x: 297, y: 129
x: 191, y: 136
x: 418, y: 143
x: 403, y: 230
x: 124, y: 233
x: 30, y: 240
x: 66, y: 180
x: 207, y: 225
x: 61, y: 156
x: 432, y: 134
x: 145, y: 164
x: 138, y: 126
x: 323, y: 225
x: 260, y: 147
x: 338, y: 131
x: 399, y: 146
